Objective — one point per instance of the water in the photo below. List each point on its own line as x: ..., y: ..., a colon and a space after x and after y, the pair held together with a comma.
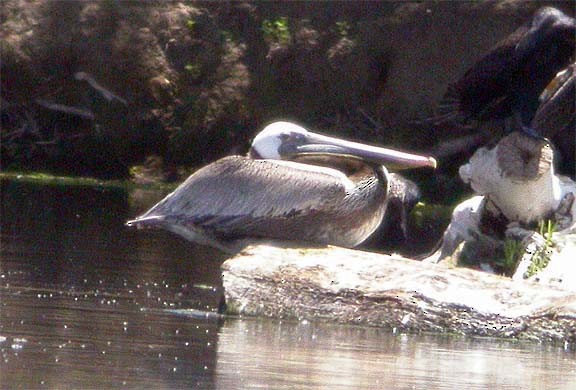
x: 88, y: 303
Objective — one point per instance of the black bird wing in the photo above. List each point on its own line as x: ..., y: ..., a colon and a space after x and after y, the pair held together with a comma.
x: 482, y: 91
x: 511, y: 76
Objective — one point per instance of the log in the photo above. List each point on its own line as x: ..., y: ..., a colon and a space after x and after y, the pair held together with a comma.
x: 354, y: 287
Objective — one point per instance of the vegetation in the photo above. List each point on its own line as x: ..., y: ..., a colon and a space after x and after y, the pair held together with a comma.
x: 343, y: 28
x: 191, y: 24
x: 228, y: 36
x: 277, y: 30
x: 49, y: 179
x: 513, y: 250
x: 541, y: 256
x: 195, y: 70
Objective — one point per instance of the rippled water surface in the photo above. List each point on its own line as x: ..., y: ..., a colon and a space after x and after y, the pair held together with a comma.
x: 88, y: 303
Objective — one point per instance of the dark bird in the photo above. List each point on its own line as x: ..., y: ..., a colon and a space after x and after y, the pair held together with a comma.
x: 555, y: 118
x: 404, y: 194
x: 508, y: 80
x: 295, y: 185
x: 393, y: 234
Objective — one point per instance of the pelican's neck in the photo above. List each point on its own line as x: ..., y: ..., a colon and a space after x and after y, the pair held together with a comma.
x: 372, y: 185
x: 368, y: 201
x: 254, y: 155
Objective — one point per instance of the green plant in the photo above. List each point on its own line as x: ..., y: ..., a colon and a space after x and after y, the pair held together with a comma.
x: 194, y: 70
x: 277, y: 31
x: 541, y: 256
x: 343, y: 28
x: 191, y: 24
x: 513, y: 251
x: 228, y: 36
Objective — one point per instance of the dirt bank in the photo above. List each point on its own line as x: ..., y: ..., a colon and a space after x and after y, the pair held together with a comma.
x: 95, y: 87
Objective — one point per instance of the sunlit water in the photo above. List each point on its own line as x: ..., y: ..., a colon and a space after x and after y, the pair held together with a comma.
x: 88, y: 303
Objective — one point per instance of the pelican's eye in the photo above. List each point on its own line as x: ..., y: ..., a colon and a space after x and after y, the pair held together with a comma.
x: 290, y: 142
x: 296, y: 138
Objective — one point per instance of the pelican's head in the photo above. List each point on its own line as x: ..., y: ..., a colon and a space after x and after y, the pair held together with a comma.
x: 272, y: 141
x: 288, y: 141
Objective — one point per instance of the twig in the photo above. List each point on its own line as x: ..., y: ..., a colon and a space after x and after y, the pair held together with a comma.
x: 84, y: 113
x: 108, y: 95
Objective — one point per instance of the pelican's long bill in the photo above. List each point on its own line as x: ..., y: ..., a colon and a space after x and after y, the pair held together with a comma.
x: 310, y: 143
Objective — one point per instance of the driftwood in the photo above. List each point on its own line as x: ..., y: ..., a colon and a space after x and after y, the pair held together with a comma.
x: 518, y: 178
x: 354, y: 287
x: 517, y: 187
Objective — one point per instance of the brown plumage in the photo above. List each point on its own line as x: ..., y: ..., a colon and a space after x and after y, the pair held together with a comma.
x: 237, y: 198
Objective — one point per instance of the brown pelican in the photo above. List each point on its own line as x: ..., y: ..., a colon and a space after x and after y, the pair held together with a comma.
x: 509, y: 79
x: 555, y: 118
x: 294, y: 185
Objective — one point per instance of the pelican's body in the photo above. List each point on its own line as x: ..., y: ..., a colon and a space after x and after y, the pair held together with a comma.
x: 249, y: 197
x: 508, y: 80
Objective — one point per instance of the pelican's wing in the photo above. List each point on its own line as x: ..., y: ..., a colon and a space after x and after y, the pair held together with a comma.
x: 230, y: 196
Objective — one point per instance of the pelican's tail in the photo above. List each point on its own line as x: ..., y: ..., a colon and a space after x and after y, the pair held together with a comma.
x: 145, y: 221
x: 188, y: 231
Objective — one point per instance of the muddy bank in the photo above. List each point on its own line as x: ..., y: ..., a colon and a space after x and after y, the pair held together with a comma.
x: 93, y: 88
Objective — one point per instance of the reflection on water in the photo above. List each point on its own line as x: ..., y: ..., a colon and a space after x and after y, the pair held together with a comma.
x: 315, y: 356
x: 77, y: 293
x: 87, y: 303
